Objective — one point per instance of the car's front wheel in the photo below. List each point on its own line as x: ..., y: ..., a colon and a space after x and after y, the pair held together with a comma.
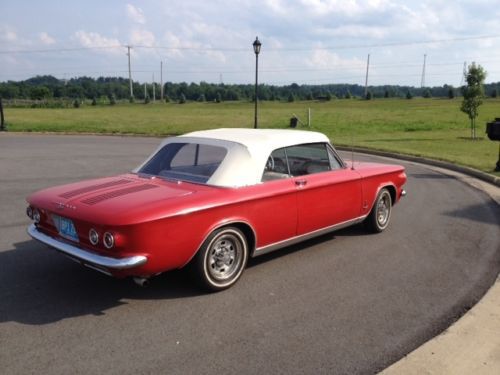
x: 379, y: 217
x: 221, y: 259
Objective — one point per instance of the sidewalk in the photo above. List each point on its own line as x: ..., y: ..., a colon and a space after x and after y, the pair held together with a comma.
x: 472, y: 344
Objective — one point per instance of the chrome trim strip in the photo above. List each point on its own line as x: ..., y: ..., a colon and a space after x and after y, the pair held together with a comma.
x: 303, y: 237
x: 86, y: 256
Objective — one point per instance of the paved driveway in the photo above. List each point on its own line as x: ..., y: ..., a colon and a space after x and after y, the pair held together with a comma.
x: 345, y: 303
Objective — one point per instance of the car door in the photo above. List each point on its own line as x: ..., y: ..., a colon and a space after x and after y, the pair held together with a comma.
x: 276, y: 206
x: 328, y: 193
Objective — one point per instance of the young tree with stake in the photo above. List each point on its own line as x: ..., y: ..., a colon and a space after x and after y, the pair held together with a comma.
x: 473, y: 93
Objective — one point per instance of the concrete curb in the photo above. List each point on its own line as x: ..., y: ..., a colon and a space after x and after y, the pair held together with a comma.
x: 436, y: 163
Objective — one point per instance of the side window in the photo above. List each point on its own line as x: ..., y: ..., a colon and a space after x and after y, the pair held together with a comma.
x: 334, y: 161
x: 276, y: 166
x: 308, y: 159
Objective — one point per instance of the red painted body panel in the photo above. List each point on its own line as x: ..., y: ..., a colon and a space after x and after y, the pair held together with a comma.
x: 168, y: 221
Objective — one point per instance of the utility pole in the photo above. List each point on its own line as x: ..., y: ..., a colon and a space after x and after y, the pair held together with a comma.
x: 154, y: 93
x: 161, y: 80
x: 422, y: 81
x: 366, y: 79
x: 145, y: 93
x: 464, y: 73
x: 130, y: 73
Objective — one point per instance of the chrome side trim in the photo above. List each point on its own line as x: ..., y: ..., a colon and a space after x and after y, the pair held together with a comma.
x: 86, y: 257
x: 303, y: 237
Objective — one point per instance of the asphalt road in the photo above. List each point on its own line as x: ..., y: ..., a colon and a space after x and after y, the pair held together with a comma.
x: 345, y: 303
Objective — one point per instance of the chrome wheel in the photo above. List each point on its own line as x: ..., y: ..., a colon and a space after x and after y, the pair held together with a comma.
x: 224, y: 256
x: 221, y: 259
x: 379, y: 217
x: 383, y: 209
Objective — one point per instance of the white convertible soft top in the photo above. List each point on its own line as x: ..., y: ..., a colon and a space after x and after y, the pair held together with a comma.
x: 247, y: 150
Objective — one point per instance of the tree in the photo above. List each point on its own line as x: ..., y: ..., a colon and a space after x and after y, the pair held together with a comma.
x: 182, y: 99
x: 348, y: 95
x: 76, y: 103
x: 451, y: 92
x: 201, y: 98
x: 218, y: 98
x: 40, y: 92
x: 494, y: 93
x: 328, y: 96
x: 291, y: 98
x: 386, y: 94
x: 409, y: 95
x: 473, y: 94
x: 427, y: 94
x: 112, y: 99
x: 94, y: 101
x: 369, y: 95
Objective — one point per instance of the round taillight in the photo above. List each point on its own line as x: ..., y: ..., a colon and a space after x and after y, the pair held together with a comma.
x: 29, y: 212
x: 108, y: 240
x: 93, y: 236
x: 36, y: 215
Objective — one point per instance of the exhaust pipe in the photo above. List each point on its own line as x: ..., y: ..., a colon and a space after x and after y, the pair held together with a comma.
x: 141, y: 281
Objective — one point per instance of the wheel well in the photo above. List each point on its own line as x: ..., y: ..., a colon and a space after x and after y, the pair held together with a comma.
x: 247, y: 231
x: 392, y: 192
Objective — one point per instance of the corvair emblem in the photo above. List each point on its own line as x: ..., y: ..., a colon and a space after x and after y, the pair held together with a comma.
x: 62, y: 206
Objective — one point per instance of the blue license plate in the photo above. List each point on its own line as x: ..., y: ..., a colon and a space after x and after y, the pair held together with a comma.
x: 66, y: 228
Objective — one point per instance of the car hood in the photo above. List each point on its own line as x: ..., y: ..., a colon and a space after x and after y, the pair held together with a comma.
x: 125, y: 198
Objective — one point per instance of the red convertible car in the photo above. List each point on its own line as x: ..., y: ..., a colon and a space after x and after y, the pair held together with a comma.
x: 211, y: 199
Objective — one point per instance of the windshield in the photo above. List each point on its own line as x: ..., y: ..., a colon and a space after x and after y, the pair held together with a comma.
x: 193, y: 162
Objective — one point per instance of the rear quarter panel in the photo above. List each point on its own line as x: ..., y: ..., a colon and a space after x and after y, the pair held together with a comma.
x: 375, y: 177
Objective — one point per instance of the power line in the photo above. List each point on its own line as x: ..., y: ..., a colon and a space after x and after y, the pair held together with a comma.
x: 188, y: 48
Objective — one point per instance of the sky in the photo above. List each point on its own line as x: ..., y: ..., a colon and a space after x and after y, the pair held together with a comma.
x: 303, y: 41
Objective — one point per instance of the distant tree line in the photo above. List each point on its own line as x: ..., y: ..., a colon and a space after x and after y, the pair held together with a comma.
x: 113, y: 88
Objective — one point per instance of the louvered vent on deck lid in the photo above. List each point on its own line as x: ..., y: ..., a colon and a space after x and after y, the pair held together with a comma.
x: 88, y: 189
x: 117, y: 193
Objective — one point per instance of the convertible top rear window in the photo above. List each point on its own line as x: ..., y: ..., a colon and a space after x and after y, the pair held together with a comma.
x: 193, y: 162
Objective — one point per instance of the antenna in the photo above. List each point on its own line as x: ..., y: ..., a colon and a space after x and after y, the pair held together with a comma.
x: 352, y: 149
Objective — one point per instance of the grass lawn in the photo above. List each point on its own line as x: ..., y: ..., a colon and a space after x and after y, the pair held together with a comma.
x: 432, y: 128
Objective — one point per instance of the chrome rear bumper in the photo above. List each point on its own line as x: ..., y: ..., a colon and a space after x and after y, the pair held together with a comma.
x: 86, y: 257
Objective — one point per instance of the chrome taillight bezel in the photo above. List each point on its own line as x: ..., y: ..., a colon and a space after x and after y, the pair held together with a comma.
x: 36, y: 215
x: 108, y: 240
x: 93, y: 237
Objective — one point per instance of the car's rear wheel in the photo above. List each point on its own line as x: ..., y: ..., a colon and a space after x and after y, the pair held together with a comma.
x: 221, y: 259
x: 379, y: 217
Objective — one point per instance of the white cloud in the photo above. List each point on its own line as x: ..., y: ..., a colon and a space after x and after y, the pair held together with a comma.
x: 95, y: 40
x: 135, y: 14
x: 46, y: 38
x: 142, y: 37
x: 7, y: 34
x: 322, y: 58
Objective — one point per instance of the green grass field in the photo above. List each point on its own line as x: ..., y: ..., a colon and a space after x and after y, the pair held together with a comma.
x: 432, y: 128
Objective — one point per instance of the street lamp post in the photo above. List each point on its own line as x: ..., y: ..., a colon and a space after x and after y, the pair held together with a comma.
x: 256, y: 49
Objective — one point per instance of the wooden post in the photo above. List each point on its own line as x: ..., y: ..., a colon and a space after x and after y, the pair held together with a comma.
x: 2, y: 119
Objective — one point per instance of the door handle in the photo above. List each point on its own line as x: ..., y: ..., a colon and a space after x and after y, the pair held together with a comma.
x: 300, y: 183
